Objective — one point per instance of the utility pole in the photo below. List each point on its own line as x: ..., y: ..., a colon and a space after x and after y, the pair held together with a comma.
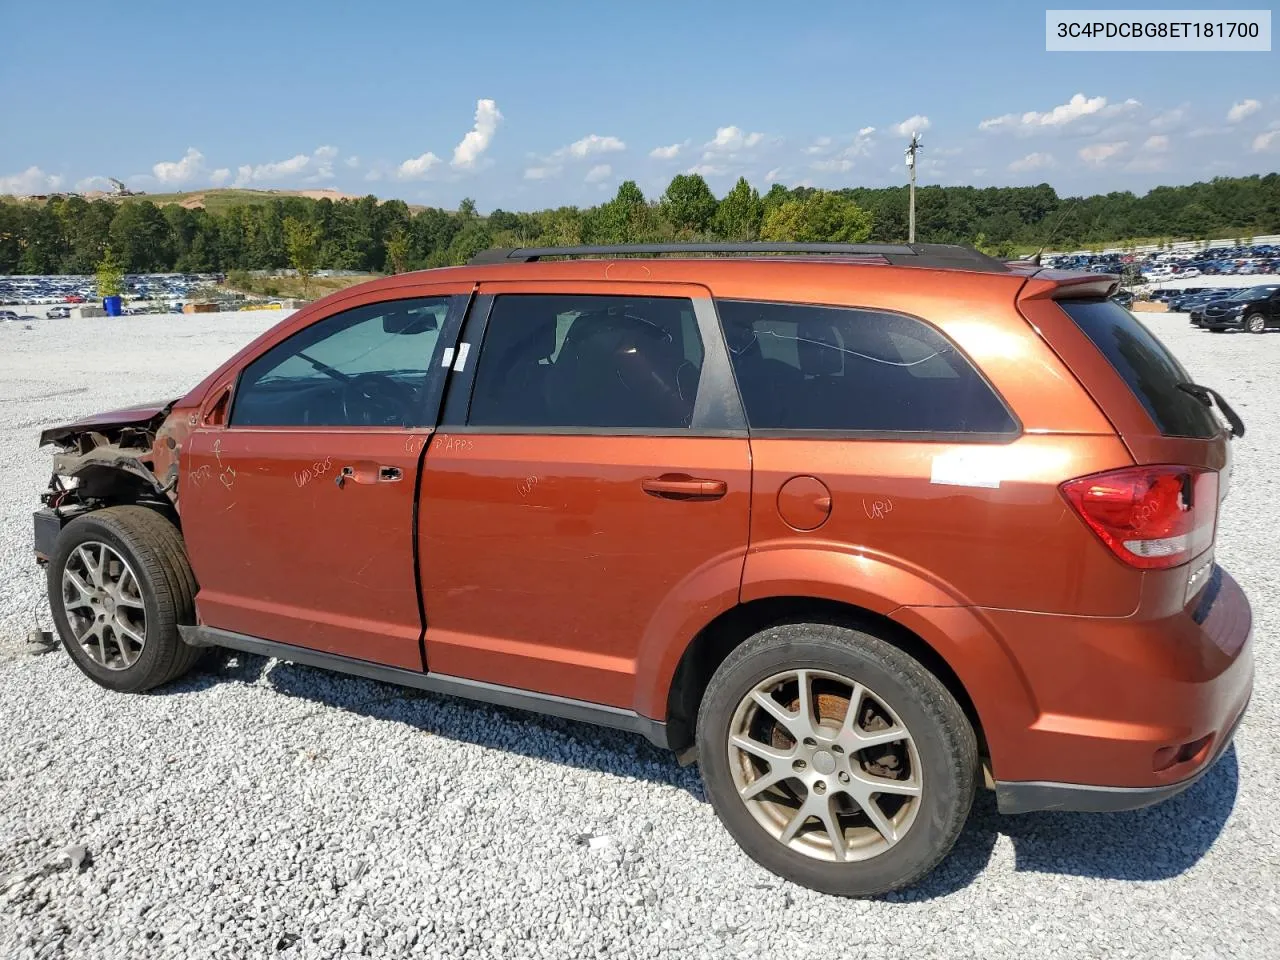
x: 912, y: 149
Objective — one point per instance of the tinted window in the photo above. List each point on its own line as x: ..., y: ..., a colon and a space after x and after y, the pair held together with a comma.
x: 830, y: 368
x: 362, y: 367
x: 1144, y: 363
x: 580, y: 361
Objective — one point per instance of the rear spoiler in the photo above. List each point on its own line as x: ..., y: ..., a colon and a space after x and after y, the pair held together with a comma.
x: 1049, y: 284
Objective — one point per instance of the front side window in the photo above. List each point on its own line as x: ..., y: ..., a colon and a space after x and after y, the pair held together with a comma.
x: 588, y: 362
x: 368, y: 366
x: 803, y: 367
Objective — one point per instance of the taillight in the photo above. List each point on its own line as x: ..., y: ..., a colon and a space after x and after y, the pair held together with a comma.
x: 1151, y: 517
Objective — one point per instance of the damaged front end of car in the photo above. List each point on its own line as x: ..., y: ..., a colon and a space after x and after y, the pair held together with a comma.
x: 125, y: 456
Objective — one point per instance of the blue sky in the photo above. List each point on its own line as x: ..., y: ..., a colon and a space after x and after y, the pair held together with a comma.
x: 528, y: 105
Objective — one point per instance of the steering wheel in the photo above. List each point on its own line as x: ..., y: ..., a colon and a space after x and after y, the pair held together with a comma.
x: 375, y: 400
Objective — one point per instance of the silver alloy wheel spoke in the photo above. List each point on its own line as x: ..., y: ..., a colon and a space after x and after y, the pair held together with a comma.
x: 102, y: 601
x: 837, y: 766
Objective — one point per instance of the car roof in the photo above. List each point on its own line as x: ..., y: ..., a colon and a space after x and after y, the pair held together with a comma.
x: 754, y: 276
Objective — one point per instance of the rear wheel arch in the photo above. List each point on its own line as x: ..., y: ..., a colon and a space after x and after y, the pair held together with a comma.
x: 718, y: 639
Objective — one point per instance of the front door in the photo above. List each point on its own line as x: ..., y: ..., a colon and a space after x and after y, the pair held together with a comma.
x: 592, y: 502
x: 298, y: 495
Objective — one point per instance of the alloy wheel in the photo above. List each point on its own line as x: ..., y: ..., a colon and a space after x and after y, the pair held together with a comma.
x: 103, y: 603
x: 1257, y: 323
x: 825, y: 765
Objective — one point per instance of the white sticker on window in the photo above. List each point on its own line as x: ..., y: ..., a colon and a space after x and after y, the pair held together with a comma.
x: 966, y: 468
x: 461, y: 363
x: 447, y: 360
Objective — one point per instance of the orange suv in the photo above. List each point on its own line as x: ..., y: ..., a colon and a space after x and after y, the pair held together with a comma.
x: 856, y: 527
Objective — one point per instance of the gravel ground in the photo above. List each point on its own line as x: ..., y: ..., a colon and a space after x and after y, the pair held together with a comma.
x: 258, y: 807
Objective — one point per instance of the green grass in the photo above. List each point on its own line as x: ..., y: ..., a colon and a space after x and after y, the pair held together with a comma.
x: 291, y: 287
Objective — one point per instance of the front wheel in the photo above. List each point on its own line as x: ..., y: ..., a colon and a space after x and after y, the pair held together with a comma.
x: 835, y: 759
x: 1255, y: 323
x: 119, y: 585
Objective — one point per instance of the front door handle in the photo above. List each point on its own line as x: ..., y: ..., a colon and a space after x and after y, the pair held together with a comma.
x: 368, y: 473
x: 681, y: 486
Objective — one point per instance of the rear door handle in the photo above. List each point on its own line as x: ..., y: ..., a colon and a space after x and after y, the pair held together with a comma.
x: 681, y: 486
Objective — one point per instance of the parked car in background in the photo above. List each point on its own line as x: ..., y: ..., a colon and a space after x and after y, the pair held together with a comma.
x: 58, y: 313
x: 1123, y: 297
x: 850, y: 549
x: 1254, y: 309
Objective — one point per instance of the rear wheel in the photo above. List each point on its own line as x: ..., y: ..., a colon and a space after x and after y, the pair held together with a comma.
x: 1255, y: 323
x: 119, y: 585
x: 836, y: 760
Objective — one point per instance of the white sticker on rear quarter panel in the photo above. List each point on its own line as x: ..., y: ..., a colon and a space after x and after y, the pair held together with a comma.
x: 966, y: 468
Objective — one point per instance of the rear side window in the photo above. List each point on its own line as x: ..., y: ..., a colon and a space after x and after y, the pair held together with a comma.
x: 802, y: 367
x: 1146, y: 365
x: 588, y: 362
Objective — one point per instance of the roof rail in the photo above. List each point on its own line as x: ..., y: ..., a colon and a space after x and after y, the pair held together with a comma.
x: 935, y: 255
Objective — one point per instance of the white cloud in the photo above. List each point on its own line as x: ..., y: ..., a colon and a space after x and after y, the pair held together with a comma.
x: 667, y: 153
x: 1156, y: 142
x: 773, y: 175
x: 1261, y: 143
x: 1075, y: 108
x: 220, y: 176
x: 30, y: 180
x: 352, y: 162
x: 1242, y: 109
x: 601, y: 171
x: 1169, y: 118
x: 90, y: 183
x: 861, y: 145
x: 311, y: 167
x: 913, y: 124
x: 419, y: 167
x: 1099, y: 153
x: 732, y: 139
x: 708, y: 170
x: 1032, y: 161
x: 833, y: 165
x: 589, y: 146
x: 323, y: 157
x: 1115, y: 109
x: 543, y: 173
x: 467, y: 153
x: 818, y: 147
x: 177, y: 172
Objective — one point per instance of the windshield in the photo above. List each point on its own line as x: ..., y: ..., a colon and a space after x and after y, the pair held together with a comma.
x: 1253, y: 293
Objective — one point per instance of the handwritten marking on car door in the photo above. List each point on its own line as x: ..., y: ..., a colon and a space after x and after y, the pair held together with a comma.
x: 414, y: 444
x: 228, y: 474
x: 877, y: 509
x: 313, y: 472
x: 450, y: 444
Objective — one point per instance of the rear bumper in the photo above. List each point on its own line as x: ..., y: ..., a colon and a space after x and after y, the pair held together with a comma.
x: 1030, y: 795
x: 1127, y: 711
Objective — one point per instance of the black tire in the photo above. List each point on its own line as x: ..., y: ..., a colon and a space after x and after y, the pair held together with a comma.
x: 1255, y: 316
x: 943, y: 737
x: 153, y: 548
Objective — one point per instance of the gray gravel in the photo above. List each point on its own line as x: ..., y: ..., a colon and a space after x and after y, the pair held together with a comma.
x: 258, y: 807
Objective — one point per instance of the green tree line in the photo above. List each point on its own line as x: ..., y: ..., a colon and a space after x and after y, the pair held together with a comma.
x: 72, y: 234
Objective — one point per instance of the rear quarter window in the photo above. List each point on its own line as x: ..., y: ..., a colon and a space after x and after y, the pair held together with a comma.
x: 805, y: 367
x: 1146, y: 365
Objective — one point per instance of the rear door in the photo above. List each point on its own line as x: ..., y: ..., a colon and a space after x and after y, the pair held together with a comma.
x: 297, y: 486
x: 588, y: 491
